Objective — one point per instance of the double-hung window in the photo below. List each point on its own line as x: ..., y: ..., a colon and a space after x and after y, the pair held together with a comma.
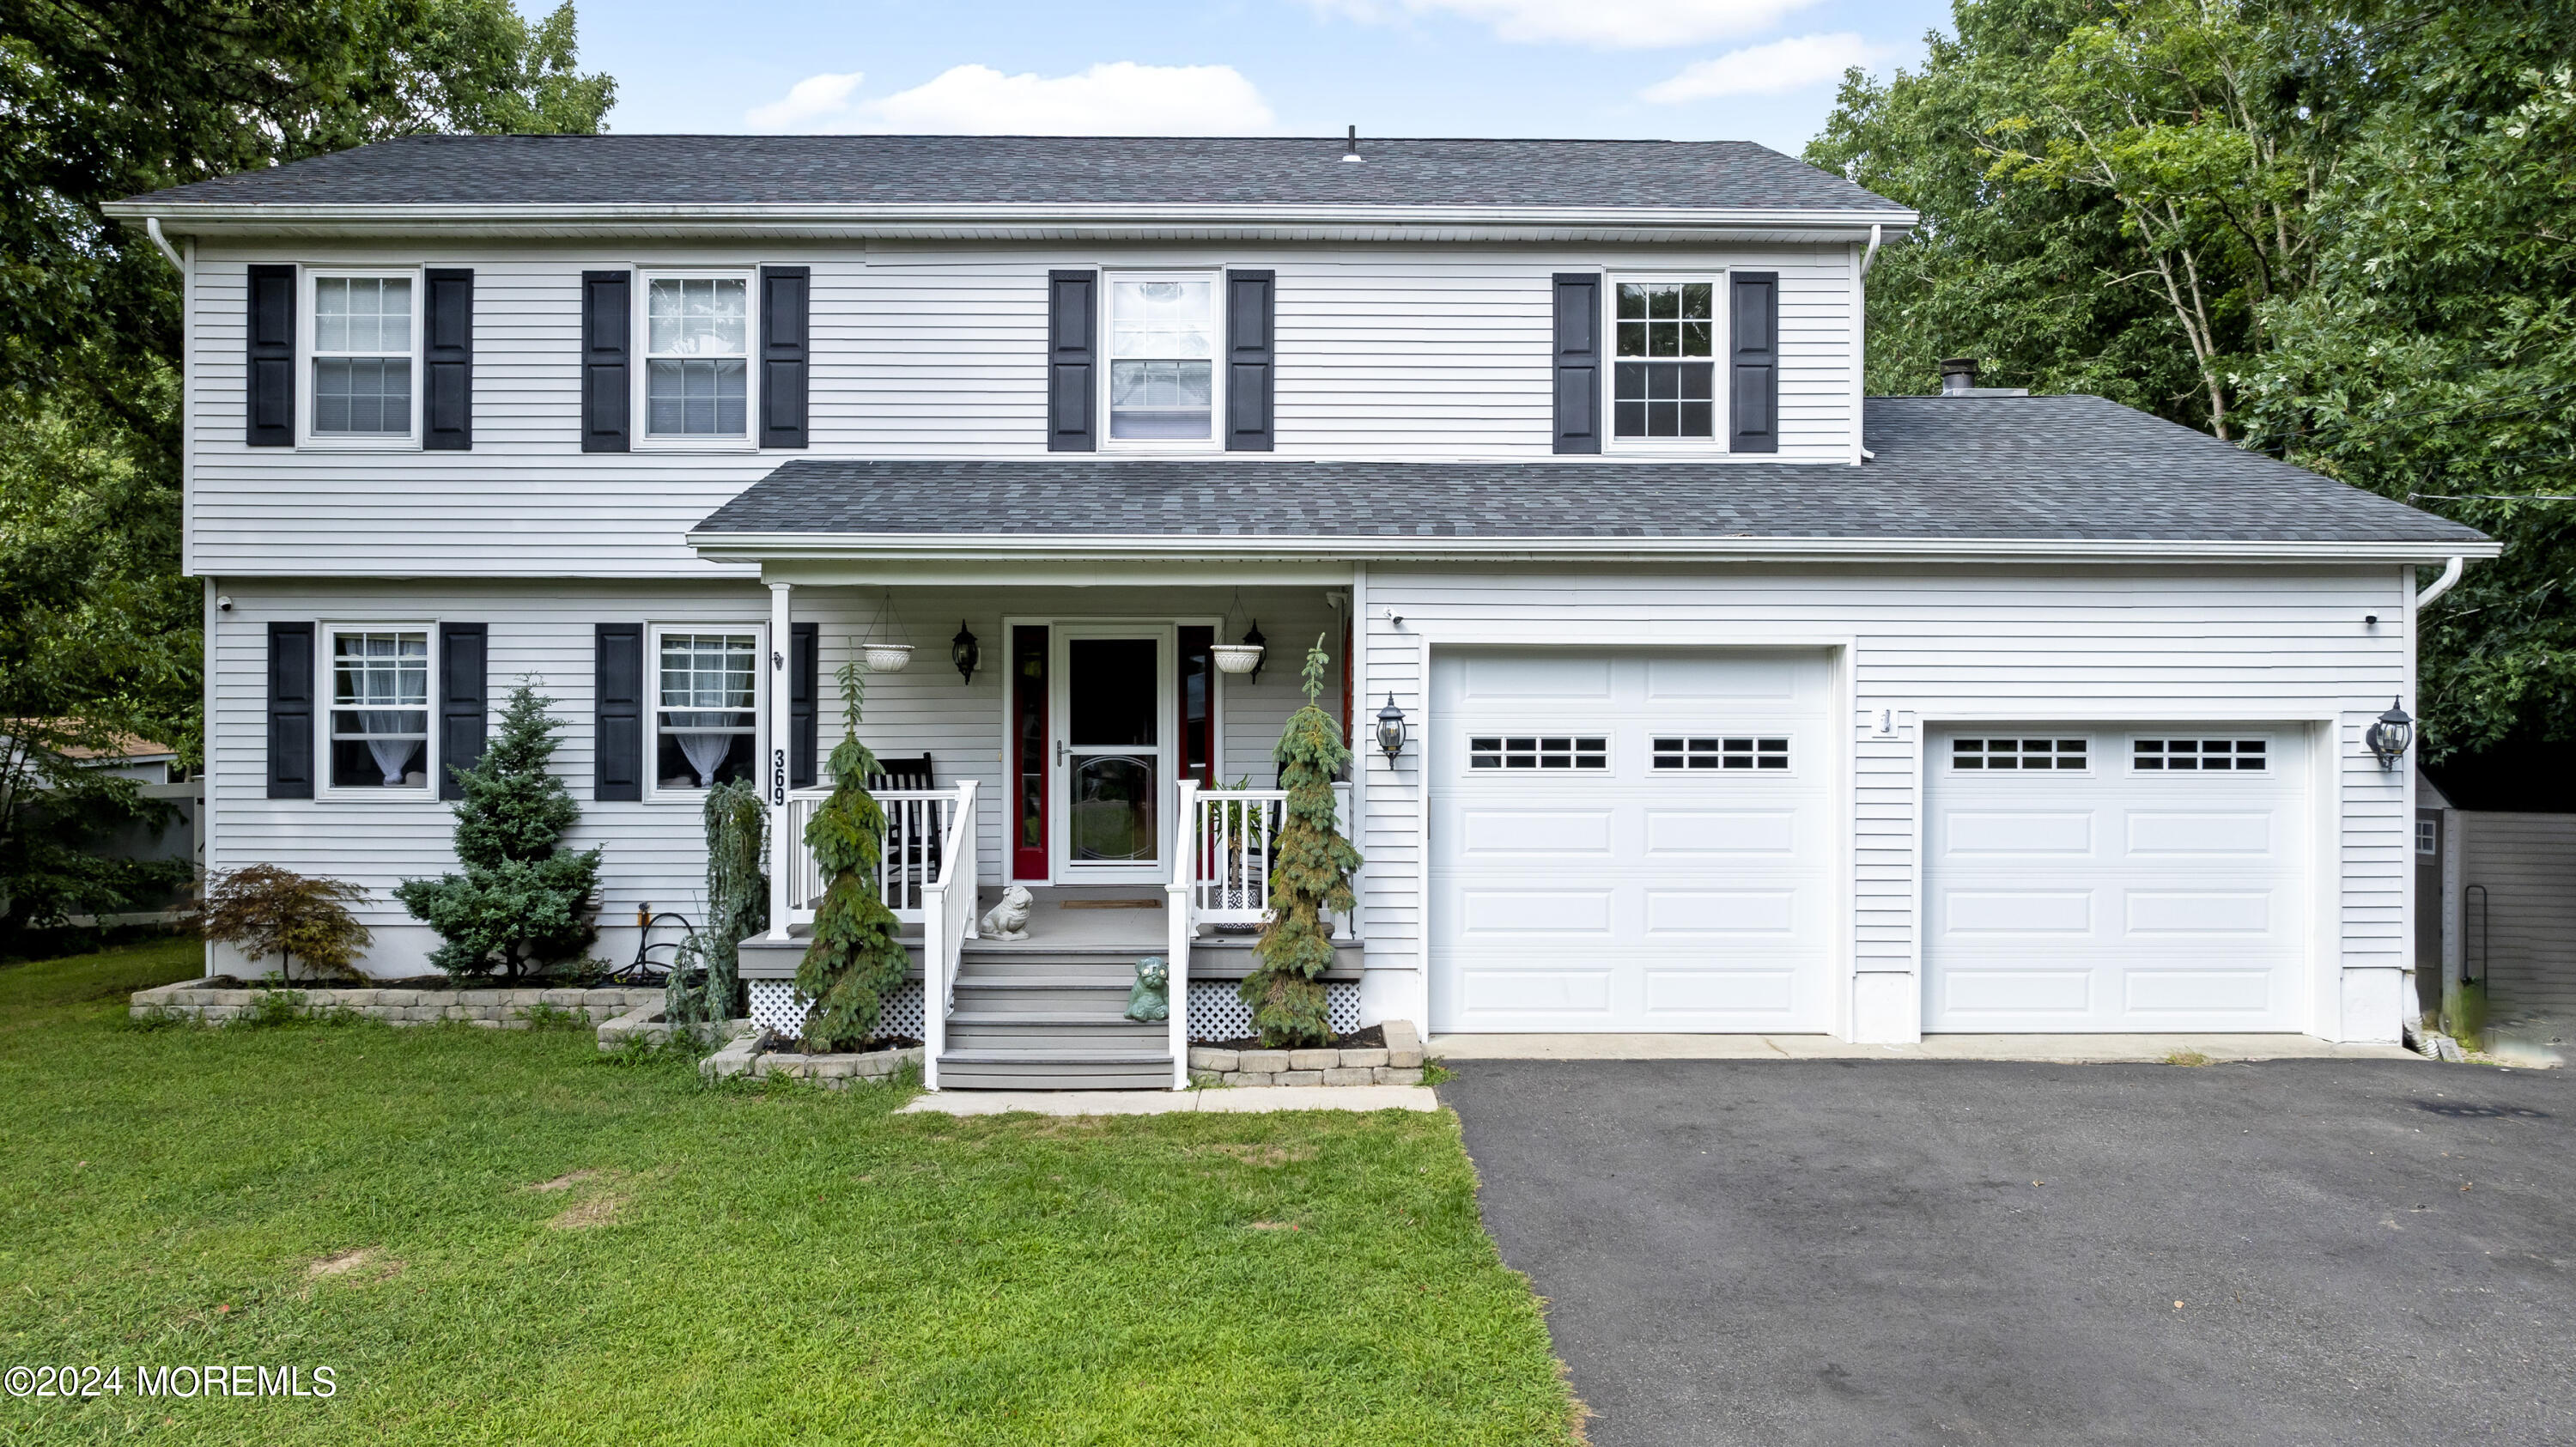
x: 379, y: 712
x: 697, y: 359
x: 706, y: 718
x: 1162, y: 359
x: 1664, y: 373
x: 365, y: 332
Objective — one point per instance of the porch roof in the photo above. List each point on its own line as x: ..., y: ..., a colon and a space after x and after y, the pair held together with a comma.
x: 2030, y: 475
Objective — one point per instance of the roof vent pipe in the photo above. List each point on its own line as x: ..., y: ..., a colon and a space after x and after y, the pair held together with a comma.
x: 1351, y: 146
x: 1958, y: 376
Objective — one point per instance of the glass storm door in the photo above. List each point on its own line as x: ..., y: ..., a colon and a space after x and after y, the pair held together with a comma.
x: 1113, y: 753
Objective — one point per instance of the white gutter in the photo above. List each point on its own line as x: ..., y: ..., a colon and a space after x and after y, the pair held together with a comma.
x: 2450, y: 579
x: 954, y: 547
x: 152, y: 228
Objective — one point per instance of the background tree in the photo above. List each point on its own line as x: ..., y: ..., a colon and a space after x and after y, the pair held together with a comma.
x: 521, y: 900
x: 1310, y: 875
x: 2338, y: 233
x: 102, y: 99
x: 855, y: 960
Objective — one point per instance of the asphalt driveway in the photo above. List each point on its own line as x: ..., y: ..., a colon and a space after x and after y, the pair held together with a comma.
x: 1848, y: 1252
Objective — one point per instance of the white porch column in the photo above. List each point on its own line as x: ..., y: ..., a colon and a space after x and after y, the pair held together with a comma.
x: 782, y: 741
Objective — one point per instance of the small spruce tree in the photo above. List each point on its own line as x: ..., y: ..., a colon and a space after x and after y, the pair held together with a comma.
x: 518, y: 904
x: 1310, y: 874
x: 855, y: 959
x: 737, y: 907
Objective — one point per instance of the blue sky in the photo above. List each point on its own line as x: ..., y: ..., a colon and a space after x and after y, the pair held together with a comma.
x: 1760, y: 70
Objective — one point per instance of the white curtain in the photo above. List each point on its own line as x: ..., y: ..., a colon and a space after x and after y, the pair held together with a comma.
x: 393, y: 756
x: 705, y: 751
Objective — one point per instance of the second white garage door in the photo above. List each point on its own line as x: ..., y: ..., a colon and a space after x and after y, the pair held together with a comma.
x: 1630, y: 840
x: 2149, y: 877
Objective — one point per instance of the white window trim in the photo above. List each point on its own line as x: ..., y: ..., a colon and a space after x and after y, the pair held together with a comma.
x: 307, y: 315
x: 644, y: 439
x: 1215, y: 440
x: 654, y: 791
x: 325, y: 680
x: 1721, y: 423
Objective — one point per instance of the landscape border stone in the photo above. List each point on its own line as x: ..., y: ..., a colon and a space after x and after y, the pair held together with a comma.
x: 501, y: 1009
x: 1398, y: 1062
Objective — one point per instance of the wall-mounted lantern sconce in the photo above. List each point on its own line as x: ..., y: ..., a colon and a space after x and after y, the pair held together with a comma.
x: 2390, y: 735
x: 963, y: 652
x: 1390, y: 729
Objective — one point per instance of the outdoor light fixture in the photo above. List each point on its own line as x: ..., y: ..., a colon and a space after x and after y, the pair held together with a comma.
x: 1252, y: 639
x: 2389, y: 736
x: 1390, y: 729
x: 963, y: 652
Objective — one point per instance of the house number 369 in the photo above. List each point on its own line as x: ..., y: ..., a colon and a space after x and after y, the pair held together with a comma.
x: 778, y: 776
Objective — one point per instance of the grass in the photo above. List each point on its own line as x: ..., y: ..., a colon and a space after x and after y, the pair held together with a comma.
x: 504, y: 1237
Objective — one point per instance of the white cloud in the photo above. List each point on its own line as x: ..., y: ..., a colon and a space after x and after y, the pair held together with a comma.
x: 1774, y: 69
x: 1121, y: 98
x: 1607, y: 24
x: 816, y: 97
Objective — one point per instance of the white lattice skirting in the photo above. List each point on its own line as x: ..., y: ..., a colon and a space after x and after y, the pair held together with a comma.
x: 775, y: 1005
x: 1217, y: 1012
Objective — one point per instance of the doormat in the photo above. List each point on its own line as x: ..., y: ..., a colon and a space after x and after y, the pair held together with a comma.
x: 1111, y: 904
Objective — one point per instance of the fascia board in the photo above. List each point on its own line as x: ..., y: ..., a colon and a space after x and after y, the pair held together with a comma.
x: 773, y: 547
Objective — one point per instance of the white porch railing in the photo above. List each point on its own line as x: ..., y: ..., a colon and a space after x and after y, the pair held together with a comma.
x: 918, y: 823
x: 947, y: 922
x: 1232, y: 834
x: 1180, y: 909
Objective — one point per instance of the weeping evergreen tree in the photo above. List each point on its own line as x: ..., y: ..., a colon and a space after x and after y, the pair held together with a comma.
x: 855, y: 959
x: 737, y: 907
x: 520, y: 902
x: 1310, y: 874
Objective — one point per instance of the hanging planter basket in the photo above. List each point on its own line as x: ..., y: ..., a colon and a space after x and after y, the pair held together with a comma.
x: 887, y: 657
x: 1238, y: 657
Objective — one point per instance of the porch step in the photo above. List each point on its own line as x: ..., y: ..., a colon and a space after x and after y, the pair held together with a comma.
x: 1005, y: 1069
x: 1102, y: 967
x: 1078, y: 1033
x: 1039, y: 994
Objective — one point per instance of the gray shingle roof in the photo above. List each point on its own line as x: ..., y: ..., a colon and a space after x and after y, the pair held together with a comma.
x: 1035, y: 170
x: 2023, y: 468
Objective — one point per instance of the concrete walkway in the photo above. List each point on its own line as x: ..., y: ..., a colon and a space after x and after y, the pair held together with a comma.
x: 1242, y: 1099
x: 2049, y: 1049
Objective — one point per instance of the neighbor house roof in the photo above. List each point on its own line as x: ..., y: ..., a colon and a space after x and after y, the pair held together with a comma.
x: 987, y: 171
x: 2048, y: 473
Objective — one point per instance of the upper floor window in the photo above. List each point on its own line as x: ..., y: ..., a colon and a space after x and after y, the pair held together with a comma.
x: 1664, y: 375
x: 706, y: 720
x: 363, y: 340
x: 379, y: 715
x: 1162, y: 358
x: 697, y: 357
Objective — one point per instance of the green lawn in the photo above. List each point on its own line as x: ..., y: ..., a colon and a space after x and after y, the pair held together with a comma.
x: 726, y: 1265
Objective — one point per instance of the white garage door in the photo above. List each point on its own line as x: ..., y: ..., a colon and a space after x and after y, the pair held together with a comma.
x: 1629, y: 840
x: 2142, y: 878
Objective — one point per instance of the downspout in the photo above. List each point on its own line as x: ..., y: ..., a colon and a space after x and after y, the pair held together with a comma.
x: 1866, y: 257
x: 2450, y: 578
x: 152, y: 228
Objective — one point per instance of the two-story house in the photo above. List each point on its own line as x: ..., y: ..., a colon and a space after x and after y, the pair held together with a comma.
x: 1724, y: 697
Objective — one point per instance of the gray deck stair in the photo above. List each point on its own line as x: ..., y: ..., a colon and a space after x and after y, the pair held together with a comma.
x: 1040, y: 1018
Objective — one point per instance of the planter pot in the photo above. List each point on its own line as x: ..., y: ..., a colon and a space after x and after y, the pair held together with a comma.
x: 887, y: 657
x: 1238, y: 657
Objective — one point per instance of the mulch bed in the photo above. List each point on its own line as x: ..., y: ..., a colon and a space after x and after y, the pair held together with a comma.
x: 771, y: 1042
x: 1372, y: 1038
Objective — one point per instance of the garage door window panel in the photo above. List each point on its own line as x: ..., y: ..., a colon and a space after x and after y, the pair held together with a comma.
x: 2019, y: 754
x: 2199, y: 756
x: 1722, y: 751
x: 1562, y: 752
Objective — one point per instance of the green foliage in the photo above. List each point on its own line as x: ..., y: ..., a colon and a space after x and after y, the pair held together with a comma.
x: 263, y: 910
x: 520, y: 901
x: 2340, y: 234
x: 855, y: 960
x: 1310, y: 875
x: 737, y: 907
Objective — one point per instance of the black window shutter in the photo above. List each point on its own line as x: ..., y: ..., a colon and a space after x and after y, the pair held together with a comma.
x: 1251, y: 315
x: 271, y: 383
x: 803, y: 674
x: 1578, y: 361
x: 1073, y: 306
x: 447, y: 355
x: 464, y: 700
x: 290, y: 710
x: 607, y: 331
x: 617, y: 739
x: 1753, y: 407
x: 785, y: 296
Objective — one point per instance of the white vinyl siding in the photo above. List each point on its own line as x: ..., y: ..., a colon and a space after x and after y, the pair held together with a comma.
x: 919, y: 350
x: 2527, y: 947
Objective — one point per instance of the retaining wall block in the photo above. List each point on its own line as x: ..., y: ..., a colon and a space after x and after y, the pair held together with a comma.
x: 1399, y: 1075
x: 1248, y: 1077
x: 1264, y: 1062
x: 1350, y: 1075
x: 1313, y: 1059
x: 1363, y: 1059
x: 1299, y: 1077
